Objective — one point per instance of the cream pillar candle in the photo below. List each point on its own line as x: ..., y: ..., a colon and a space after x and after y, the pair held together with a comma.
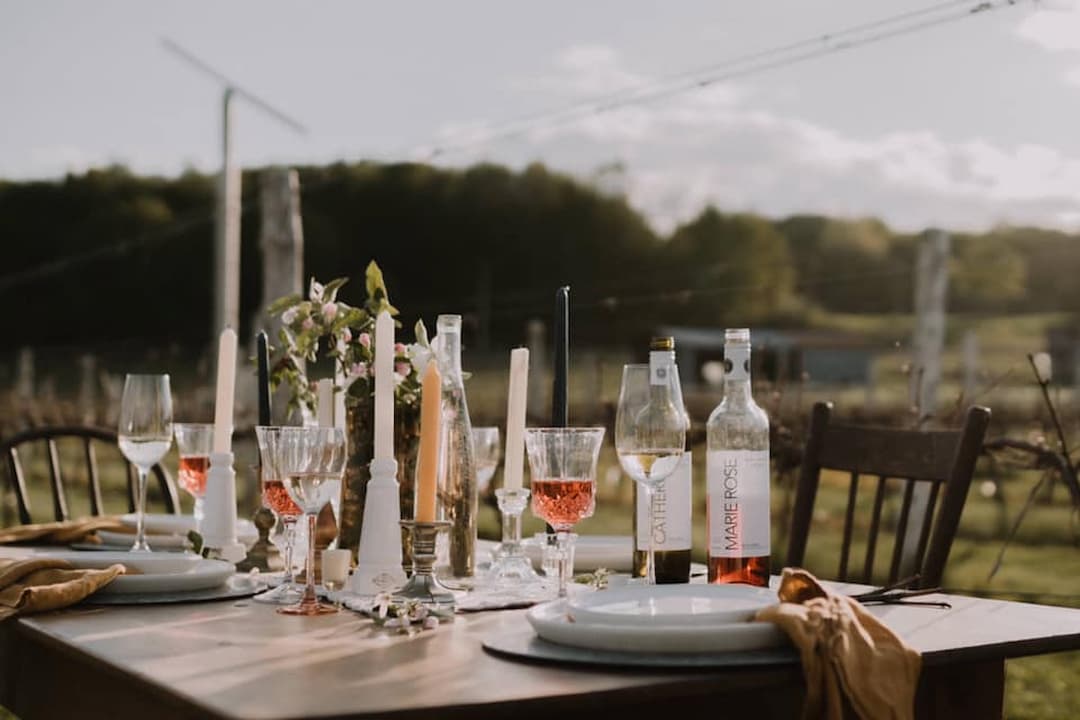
x: 427, y: 465
x: 384, y: 387
x: 225, y: 391
x: 515, y: 418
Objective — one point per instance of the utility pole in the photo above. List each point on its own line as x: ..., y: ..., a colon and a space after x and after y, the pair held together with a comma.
x: 227, y: 225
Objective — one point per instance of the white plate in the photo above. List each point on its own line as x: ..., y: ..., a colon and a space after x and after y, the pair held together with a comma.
x: 180, y: 525
x: 146, y: 563
x: 157, y: 542
x: 551, y: 623
x: 669, y: 605
x: 204, y: 574
x: 614, y: 552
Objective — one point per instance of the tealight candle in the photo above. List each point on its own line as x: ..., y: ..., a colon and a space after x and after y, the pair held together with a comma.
x: 335, y: 566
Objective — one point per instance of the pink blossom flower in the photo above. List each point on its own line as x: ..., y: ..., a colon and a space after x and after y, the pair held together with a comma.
x: 329, y: 311
x: 365, y: 339
x: 307, y: 324
x: 402, y: 369
x: 346, y: 335
x: 400, y: 349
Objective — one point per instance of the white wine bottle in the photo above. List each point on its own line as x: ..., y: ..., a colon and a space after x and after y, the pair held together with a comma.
x: 737, y: 475
x: 672, y: 499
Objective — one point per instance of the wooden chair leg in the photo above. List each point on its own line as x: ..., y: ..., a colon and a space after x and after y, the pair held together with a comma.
x: 962, y: 691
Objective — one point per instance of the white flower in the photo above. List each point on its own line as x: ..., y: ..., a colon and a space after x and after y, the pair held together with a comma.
x: 420, y: 357
x: 316, y: 290
x: 329, y: 311
x: 1043, y: 366
x: 289, y: 316
x: 346, y: 335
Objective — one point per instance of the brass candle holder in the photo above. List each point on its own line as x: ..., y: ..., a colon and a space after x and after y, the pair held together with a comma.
x: 423, y: 585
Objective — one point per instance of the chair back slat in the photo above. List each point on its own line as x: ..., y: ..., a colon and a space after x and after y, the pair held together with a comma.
x: 60, y: 507
x: 18, y: 479
x: 941, y: 457
x: 849, y: 524
x: 928, y: 518
x: 875, y: 525
x: 58, y: 479
x: 96, y: 504
x: 901, y: 529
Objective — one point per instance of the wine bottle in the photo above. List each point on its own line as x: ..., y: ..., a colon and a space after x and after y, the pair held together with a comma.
x: 672, y: 500
x: 737, y: 475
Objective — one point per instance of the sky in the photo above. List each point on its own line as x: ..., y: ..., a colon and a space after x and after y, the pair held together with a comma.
x: 965, y: 125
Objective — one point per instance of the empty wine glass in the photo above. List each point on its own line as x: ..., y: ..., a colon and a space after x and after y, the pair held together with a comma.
x: 487, y: 452
x: 193, y: 443
x: 144, y: 435
x: 312, y: 462
x: 562, y: 463
x: 650, y: 434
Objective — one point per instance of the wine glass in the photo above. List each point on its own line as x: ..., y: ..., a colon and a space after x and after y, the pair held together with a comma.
x: 487, y: 449
x: 562, y: 462
x: 144, y: 434
x: 650, y: 434
x: 193, y: 443
x: 312, y: 462
x: 277, y: 499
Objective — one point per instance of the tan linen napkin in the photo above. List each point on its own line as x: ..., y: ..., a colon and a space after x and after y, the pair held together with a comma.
x: 849, y: 657
x: 62, y: 532
x: 40, y: 584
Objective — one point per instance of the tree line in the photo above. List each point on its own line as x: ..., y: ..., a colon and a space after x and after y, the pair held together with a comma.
x: 111, y: 256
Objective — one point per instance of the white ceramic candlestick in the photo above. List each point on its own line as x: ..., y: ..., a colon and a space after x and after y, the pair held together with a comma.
x: 219, y: 515
x: 378, y: 566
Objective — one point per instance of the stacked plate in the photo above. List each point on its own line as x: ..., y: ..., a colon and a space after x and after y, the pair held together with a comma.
x: 661, y: 619
x: 168, y: 532
x: 153, y: 573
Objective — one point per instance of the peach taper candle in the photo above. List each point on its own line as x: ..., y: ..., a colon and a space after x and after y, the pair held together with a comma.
x: 427, y: 466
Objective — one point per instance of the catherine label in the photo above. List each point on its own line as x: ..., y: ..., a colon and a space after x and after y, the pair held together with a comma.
x: 738, y: 497
x: 671, y: 510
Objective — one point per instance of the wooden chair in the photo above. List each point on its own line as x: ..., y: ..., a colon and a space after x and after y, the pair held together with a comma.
x: 89, y: 437
x: 938, y: 457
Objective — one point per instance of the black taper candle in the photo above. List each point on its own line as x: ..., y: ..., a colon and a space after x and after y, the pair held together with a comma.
x: 262, y: 353
x: 559, y: 401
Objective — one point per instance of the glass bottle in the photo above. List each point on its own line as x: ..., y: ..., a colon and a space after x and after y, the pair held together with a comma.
x: 672, y: 499
x: 738, y: 475
x: 457, y: 464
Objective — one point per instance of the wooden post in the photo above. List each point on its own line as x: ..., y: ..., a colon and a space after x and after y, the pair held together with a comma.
x: 24, y: 374
x: 281, y: 241
x: 88, y: 389
x: 971, y: 366
x: 227, y: 232
x: 539, y: 384
x: 931, y: 288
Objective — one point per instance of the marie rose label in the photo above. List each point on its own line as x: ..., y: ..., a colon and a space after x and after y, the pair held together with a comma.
x: 738, y: 503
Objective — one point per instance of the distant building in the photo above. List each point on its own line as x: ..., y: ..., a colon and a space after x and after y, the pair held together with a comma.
x: 822, y: 356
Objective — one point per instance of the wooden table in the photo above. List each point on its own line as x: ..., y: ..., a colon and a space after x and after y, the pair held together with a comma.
x: 238, y: 659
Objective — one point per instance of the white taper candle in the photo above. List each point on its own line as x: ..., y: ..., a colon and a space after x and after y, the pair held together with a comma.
x: 324, y: 399
x: 225, y: 391
x: 515, y: 418
x: 384, y: 387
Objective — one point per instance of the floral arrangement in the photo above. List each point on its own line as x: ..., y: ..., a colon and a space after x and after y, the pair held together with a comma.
x: 321, y: 321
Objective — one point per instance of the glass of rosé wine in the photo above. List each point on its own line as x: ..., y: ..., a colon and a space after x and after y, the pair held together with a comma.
x: 562, y: 462
x: 277, y: 499
x: 193, y: 442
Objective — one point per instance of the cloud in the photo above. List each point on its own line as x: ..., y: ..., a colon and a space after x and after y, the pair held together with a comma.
x: 716, y: 146
x: 1055, y: 26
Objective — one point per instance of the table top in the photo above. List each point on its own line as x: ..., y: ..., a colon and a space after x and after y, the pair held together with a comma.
x: 241, y: 659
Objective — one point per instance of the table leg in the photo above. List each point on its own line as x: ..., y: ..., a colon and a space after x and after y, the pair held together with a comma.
x: 973, y: 690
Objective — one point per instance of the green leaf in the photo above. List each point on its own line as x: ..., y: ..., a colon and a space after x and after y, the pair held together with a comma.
x: 330, y: 291
x: 283, y: 303
x: 374, y: 280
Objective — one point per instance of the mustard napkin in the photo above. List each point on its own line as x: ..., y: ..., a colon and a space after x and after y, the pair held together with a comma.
x: 37, y: 585
x: 849, y: 658
x: 58, y: 533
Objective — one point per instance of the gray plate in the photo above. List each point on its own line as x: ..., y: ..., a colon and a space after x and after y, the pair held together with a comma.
x: 525, y: 645
x: 228, y: 591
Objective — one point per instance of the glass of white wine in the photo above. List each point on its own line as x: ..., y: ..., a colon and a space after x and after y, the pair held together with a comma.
x: 312, y: 462
x: 145, y: 434
x: 650, y: 434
